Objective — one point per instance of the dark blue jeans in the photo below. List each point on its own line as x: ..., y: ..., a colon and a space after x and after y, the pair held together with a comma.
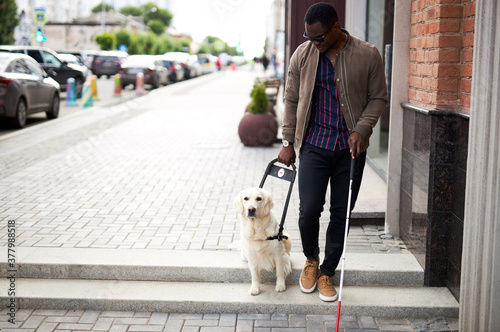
x: 317, y: 168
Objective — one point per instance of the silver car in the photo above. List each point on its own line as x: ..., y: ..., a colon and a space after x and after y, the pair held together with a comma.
x: 155, y: 73
x: 25, y: 88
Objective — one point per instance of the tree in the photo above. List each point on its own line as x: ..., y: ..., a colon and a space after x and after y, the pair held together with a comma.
x: 156, y: 26
x: 215, y: 45
x: 204, y: 48
x: 131, y: 10
x: 123, y: 37
x: 8, y: 21
x: 172, y: 45
x: 152, y: 12
x: 107, y: 41
x: 134, y: 48
x: 185, y: 45
x: 98, y: 8
x: 148, y: 40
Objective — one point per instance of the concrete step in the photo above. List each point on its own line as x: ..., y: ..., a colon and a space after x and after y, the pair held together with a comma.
x: 196, y: 297
x: 197, y: 266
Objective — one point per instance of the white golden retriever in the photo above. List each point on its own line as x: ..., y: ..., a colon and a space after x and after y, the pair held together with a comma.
x: 257, y: 224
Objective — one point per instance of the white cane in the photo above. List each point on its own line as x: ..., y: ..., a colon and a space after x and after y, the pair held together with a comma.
x: 351, y: 175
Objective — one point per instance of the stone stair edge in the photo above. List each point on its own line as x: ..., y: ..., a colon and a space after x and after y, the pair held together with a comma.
x: 196, y: 266
x: 192, y: 258
x: 222, y: 297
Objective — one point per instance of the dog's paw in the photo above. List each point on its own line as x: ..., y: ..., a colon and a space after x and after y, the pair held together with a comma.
x: 280, y: 287
x: 235, y: 245
x: 254, y: 290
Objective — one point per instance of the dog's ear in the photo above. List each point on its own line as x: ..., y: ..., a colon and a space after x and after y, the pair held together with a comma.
x: 268, y: 202
x: 238, y: 204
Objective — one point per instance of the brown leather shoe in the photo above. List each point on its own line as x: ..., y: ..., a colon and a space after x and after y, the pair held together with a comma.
x: 309, y: 276
x: 326, y: 290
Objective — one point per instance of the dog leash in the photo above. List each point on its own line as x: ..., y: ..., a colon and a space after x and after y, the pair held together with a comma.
x: 286, y: 174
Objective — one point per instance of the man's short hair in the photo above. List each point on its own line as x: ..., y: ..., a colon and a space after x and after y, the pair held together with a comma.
x: 321, y: 12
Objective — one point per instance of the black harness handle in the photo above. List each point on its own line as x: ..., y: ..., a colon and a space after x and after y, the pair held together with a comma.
x: 286, y: 174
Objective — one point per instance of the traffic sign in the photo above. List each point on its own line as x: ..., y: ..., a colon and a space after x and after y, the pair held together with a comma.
x: 40, y: 16
x: 219, y: 46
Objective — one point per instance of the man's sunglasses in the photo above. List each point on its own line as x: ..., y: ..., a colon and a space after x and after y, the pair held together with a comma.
x: 319, y: 39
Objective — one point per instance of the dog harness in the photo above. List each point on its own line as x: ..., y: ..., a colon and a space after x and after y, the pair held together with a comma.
x: 282, y: 174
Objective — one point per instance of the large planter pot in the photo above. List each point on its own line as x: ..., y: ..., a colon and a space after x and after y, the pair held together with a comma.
x: 258, y: 129
x: 270, y: 110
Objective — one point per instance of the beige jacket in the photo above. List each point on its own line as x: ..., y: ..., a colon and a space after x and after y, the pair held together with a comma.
x: 361, y: 86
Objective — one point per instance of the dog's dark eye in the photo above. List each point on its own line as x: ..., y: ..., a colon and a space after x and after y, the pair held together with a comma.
x: 245, y: 198
x: 259, y: 199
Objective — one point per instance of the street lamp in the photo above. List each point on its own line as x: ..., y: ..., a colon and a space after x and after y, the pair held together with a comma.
x: 151, y: 10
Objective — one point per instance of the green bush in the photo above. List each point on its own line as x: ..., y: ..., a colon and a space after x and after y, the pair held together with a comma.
x: 98, y: 8
x: 148, y: 40
x: 145, y: 42
x: 107, y: 41
x: 157, y: 27
x: 131, y: 10
x: 260, y: 102
x: 133, y: 48
x: 123, y: 37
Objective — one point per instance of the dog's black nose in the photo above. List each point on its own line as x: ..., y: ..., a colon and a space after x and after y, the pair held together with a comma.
x: 251, y: 212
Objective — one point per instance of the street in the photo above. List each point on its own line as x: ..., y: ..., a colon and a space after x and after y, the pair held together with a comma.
x: 106, y: 98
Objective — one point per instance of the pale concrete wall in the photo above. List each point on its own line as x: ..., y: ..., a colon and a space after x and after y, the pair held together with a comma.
x: 399, y: 94
x: 480, y: 279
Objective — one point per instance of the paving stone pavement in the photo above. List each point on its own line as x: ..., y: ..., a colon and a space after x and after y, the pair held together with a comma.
x: 127, y: 321
x: 159, y: 172
x: 162, y: 173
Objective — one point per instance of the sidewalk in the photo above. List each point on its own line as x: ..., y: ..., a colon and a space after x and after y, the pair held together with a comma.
x: 161, y: 172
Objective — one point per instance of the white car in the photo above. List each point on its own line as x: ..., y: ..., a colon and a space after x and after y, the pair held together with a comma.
x: 186, y: 61
x: 208, y: 63
x: 196, y: 69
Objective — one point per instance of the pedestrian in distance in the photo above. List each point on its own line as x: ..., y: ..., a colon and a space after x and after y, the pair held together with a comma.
x: 218, y: 64
x: 265, y: 62
x: 334, y: 95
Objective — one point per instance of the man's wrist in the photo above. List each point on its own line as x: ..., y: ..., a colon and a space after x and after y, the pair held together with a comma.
x: 287, y: 143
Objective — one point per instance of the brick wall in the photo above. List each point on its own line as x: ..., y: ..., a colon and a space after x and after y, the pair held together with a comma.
x: 441, y: 41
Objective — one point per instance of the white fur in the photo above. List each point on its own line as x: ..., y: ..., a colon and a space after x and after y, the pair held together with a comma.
x: 257, y: 223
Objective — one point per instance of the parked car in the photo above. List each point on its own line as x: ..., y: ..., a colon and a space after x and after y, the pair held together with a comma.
x: 196, y: 69
x: 73, y: 61
x: 175, y: 70
x: 208, y: 63
x: 87, y: 57
x: 58, y: 69
x: 107, y: 63
x: 25, y: 88
x: 186, y: 61
x: 151, y: 66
